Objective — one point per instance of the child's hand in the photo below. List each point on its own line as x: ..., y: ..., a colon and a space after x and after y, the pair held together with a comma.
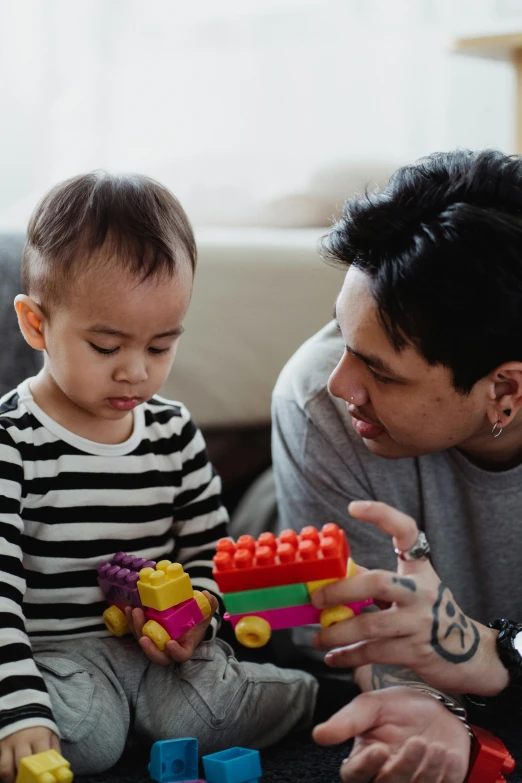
x: 180, y: 650
x: 24, y: 743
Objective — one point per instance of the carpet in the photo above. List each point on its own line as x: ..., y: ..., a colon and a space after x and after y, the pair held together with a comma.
x: 297, y: 759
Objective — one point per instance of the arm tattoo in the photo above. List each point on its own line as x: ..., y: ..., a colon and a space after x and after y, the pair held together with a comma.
x: 389, y: 675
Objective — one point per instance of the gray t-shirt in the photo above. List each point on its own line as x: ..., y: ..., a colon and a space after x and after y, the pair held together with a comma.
x: 472, y: 517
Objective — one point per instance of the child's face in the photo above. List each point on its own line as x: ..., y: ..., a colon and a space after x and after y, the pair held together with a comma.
x: 111, y: 346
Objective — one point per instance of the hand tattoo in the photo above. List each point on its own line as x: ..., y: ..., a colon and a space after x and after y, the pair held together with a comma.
x: 452, y: 629
x: 409, y: 583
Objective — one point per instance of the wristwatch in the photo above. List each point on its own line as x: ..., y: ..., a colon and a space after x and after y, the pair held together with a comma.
x: 509, y: 649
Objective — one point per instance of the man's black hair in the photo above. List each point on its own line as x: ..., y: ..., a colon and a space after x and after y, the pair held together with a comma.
x: 441, y: 244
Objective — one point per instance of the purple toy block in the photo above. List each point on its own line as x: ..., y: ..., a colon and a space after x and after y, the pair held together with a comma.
x: 118, y: 578
x: 290, y: 616
x: 177, y: 619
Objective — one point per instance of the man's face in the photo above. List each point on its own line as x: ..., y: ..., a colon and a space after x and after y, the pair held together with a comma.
x: 400, y: 405
x: 111, y: 345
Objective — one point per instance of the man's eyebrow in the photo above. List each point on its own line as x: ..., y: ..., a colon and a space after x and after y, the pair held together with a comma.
x: 369, y: 359
x: 108, y: 330
x: 375, y: 363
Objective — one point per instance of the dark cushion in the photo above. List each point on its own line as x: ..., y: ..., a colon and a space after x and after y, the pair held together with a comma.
x: 17, y: 359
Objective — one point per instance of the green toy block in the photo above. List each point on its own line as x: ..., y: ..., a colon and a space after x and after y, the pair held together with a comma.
x: 266, y: 598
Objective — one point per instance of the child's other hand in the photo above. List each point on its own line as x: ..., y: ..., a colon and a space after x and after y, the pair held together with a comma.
x: 24, y: 743
x: 178, y: 651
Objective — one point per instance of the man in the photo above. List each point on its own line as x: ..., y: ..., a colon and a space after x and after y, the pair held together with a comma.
x: 422, y: 414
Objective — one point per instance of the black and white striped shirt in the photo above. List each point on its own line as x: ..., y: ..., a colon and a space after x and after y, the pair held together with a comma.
x: 66, y: 505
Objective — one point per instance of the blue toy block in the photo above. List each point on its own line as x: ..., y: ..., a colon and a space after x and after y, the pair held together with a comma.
x: 175, y: 761
x: 235, y: 765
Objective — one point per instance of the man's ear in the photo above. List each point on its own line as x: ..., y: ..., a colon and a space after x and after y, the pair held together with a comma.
x: 505, y: 393
x: 30, y: 320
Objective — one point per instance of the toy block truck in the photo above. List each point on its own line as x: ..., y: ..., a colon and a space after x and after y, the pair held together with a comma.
x: 163, y: 590
x: 267, y: 584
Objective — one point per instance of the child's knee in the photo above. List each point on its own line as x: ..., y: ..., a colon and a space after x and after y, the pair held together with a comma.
x: 91, y: 713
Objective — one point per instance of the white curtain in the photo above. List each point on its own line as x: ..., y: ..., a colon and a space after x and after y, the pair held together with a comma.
x: 239, y: 103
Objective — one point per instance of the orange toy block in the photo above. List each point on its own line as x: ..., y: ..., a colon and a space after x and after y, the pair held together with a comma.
x: 45, y: 767
x: 288, y: 559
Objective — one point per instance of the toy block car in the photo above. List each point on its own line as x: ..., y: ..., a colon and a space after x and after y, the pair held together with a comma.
x: 162, y: 590
x: 286, y: 571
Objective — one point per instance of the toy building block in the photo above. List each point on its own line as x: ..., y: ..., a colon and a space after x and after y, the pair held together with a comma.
x: 489, y: 760
x: 118, y: 578
x: 175, y: 761
x: 254, y: 630
x: 288, y: 559
x: 171, y: 623
x: 165, y: 586
x: 351, y: 570
x: 163, y: 591
x: 266, y: 598
x: 45, y: 767
x: 234, y: 765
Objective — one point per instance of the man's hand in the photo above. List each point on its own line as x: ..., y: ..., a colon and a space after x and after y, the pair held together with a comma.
x: 178, y: 651
x: 24, y: 743
x: 423, y: 628
x: 401, y: 736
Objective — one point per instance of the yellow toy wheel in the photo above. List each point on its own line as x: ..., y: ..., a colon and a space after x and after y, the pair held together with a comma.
x: 203, y: 603
x: 64, y: 776
x: 157, y: 633
x: 335, y: 614
x: 253, y: 631
x: 46, y: 777
x: 116, y: 621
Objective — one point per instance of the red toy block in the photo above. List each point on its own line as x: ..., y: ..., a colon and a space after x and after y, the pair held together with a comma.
x: 490, y: 760
x: 288, y: 559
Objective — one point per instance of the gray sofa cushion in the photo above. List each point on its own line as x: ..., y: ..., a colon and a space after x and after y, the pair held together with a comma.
x: 17, y: 359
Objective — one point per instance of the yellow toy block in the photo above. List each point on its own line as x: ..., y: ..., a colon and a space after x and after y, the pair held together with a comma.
x: 165, y: 586
x: 46, y: 767
x: 351, y: 571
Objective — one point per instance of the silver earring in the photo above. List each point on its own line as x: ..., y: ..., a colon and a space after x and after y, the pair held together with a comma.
x: 351, y: 398
x: 494, y: 428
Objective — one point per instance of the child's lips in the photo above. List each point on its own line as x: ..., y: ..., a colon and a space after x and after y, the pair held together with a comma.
x: 124, y: 403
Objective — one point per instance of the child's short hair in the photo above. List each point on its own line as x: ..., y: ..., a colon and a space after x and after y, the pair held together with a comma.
x: 135, y: 218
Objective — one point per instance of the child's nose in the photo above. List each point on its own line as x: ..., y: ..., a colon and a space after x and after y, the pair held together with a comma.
x: 132, y: 371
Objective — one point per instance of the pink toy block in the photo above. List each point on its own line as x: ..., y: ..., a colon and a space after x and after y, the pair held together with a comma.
x: 177, y: 619
x: 291, y: 616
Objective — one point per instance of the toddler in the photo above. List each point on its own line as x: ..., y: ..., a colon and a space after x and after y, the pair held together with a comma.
x: 92, y: 461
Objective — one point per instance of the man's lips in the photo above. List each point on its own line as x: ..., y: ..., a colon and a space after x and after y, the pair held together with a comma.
x: 365, y: 429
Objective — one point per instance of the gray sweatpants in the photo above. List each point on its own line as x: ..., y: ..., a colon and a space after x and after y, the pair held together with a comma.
x: 102, y: 689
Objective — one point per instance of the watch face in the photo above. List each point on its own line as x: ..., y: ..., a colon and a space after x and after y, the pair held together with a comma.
x: 517, y: 643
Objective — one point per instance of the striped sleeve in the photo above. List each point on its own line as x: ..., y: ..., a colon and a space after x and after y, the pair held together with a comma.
x: 200, y: 518
x: 24, y: 701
